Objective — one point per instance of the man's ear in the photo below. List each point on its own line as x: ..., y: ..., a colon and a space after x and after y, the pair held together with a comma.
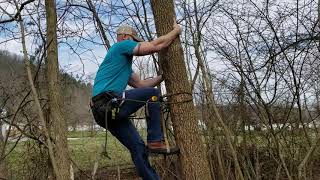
x: 119, y: 37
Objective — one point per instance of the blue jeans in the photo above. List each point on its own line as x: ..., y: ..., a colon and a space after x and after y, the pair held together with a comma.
x: 123, y: 129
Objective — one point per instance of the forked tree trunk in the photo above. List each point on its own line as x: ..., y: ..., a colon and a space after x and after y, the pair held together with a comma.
x: 58, y: 124
x: 193, y: 158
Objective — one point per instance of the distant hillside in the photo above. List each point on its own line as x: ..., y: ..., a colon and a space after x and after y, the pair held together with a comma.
x: 14, y: 86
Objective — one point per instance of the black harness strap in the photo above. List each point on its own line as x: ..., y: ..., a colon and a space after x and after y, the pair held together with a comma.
x: 107, y: 109
x: 110, y: 103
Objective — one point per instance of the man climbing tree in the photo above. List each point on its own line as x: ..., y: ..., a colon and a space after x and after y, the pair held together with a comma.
x: 112, y: 105
x: 192, y: 152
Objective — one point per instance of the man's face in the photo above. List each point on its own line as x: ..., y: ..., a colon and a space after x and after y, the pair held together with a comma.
x: 122, y: 37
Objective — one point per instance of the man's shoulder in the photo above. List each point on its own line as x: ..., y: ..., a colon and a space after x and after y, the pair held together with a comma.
x: 115, y: 47
x: 125, y: 47
x: 120, y: 44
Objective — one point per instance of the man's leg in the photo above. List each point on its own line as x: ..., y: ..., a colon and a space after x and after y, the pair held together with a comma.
x: 127, y: 134
x: 132, y: 104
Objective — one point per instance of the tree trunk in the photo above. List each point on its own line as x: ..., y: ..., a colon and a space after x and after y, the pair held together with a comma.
x: 192, y: 151
x: 56, y: 118
x: 3, y: 168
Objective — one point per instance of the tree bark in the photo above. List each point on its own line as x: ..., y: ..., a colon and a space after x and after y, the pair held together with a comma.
x: 192, y: 151
x: 35, y: 93
x: 56, y: 117
x: 3, y: 167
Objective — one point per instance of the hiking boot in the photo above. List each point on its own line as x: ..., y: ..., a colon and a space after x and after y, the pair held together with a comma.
x: 160, y: 148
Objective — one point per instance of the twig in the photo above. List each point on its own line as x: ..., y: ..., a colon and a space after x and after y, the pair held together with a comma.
x: 16, y: 16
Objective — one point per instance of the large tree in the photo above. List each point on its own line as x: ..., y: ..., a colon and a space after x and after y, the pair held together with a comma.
x: 58, y: 124
x: 193, y: 157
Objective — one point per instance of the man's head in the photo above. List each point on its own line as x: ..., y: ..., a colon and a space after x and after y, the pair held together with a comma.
x: 125, y: 32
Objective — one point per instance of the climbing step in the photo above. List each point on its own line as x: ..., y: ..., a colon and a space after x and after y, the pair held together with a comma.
x: 172, y: 151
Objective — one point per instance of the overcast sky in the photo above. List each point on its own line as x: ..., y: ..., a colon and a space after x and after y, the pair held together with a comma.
x: 91, y: 54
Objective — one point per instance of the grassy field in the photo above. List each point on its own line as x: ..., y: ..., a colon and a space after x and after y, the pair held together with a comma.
x: 85, y: 149
x: 26, y: 159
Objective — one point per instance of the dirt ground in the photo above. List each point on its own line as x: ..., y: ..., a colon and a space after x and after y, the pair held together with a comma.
x: 165, y: 169
x: 129, y: 172
x: 107, y: 173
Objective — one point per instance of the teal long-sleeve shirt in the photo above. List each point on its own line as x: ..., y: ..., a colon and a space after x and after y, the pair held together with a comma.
x: 116, y: 69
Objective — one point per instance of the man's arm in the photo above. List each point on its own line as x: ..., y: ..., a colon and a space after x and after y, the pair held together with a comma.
x: 145, y: 48
x: 136, y: 82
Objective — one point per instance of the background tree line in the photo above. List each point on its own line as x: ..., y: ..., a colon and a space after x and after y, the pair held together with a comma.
x: 75, y: 92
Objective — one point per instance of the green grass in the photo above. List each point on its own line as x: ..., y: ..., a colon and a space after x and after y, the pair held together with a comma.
x: 84, y: 151
x: 84, y: 147
x: 80, y: 134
